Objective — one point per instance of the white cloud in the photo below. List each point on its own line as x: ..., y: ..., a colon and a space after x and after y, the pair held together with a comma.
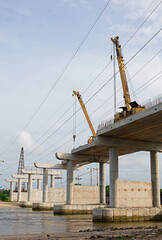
x: 26, y: 141
x: 72, y: 3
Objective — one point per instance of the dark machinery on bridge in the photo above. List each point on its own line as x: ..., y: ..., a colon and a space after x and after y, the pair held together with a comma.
x: 130, y: 108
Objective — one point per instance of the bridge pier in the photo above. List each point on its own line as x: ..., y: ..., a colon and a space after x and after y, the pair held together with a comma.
x: 70, y: 182
x: 29, y: 187
x: 38, y: 183
x: 19, y: 190
x: 155, y: 178
x: 45, y: 185
x: 102, y: 182
x: 52, y: 181
x: 114, y: 193
x: 11, y: 191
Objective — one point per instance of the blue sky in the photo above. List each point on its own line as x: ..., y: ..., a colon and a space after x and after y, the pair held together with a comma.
x: 37, y: 38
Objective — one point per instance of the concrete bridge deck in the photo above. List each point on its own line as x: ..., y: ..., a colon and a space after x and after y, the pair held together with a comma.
x: 139, y: 132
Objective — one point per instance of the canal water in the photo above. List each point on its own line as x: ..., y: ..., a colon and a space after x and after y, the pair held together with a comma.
x: 24, y: 221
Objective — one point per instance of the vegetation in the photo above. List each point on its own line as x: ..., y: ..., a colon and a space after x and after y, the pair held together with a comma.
x: 4, y: 195
x: 107, y: 190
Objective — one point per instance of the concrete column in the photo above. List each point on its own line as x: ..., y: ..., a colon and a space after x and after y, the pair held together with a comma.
x: 19, y: 190
x: 11, y: 191
x: 52, y: 181
x: 29, y: 187
x: 45, y: 185
x: 114, y: 192
x: 102, y: 183
x: 70, y: 182
x: 155, y: 178
x: 38, y: 184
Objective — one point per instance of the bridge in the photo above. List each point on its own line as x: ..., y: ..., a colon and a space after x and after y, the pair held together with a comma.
x: 139, y: 132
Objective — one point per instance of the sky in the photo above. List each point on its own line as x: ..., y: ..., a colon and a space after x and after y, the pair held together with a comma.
x: 37, y: 40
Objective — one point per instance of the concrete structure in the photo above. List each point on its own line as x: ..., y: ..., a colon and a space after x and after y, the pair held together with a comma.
x: 69, y: 182
x: 127, y: 214
x: 75, y: 209
x: 114, y: 192
x: 73, y: 160
x: 134, y: 194
x: 36, y: 172
x: 155, y: 178
x: 12, y: 194
x: 102, y: 182
x: 45, y: 170
x: 38, y: 184
x: 74, y: 194
x: 23, y: 177
x: 139, y: 132
x: 46, y: 204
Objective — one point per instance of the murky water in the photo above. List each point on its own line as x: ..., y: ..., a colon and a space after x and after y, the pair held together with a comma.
x: 24, y: 221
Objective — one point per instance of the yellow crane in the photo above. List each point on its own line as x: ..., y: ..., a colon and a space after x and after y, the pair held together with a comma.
x: 130, y: 107
x: 86, y: 115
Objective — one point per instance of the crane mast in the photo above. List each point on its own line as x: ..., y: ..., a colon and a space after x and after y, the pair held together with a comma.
x: 130, y: 107
x: 86, y: 115
x: 122, y: 72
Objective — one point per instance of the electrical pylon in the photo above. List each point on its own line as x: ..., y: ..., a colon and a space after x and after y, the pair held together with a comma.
x: 20, y: 167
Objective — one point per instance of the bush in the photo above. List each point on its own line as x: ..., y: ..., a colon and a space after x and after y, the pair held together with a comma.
x: 107, y: 190
x: 4, y: 195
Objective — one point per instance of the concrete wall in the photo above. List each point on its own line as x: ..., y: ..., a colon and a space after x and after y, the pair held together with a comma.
x: 57, y: 195
x: 86, y: 195
x: 81, y: 194
x: 23, y: 196
x: 135, y: 194
x: 36, y: 195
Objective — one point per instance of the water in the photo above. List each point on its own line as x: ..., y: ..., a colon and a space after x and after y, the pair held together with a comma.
x: 24, y: 221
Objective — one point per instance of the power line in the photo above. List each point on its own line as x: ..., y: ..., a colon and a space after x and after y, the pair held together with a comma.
x: 97, y: 90
x: 61, y: 74
x: 140, y: 18
x: 109, y: 99
x: 103, y: 68
x: 140, y: 88
x: 138, y: 51
x: 125, y: 64
x: 96, y: 120
x: 143, y: 23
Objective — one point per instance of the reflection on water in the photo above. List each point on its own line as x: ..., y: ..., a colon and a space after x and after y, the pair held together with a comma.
x: 24, y: 221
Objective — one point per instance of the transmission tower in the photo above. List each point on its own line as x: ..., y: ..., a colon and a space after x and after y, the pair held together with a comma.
x: 20, y: 167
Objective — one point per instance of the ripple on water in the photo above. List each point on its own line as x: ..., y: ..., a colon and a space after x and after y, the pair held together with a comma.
x: 24, y: 221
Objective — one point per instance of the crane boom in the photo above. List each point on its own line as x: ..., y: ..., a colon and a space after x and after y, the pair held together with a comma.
x: 122, y: 73
x: 85, y: 113
x: 130, y: 107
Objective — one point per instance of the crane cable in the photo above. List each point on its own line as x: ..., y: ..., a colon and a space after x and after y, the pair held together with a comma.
x: 114, y: 66
x: 74, y: 120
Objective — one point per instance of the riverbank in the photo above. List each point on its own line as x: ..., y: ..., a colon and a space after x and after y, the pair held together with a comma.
x: 9, y: 205
x: 143, y: 233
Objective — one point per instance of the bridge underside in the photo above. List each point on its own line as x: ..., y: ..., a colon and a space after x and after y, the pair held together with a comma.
x: 135, y: 133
